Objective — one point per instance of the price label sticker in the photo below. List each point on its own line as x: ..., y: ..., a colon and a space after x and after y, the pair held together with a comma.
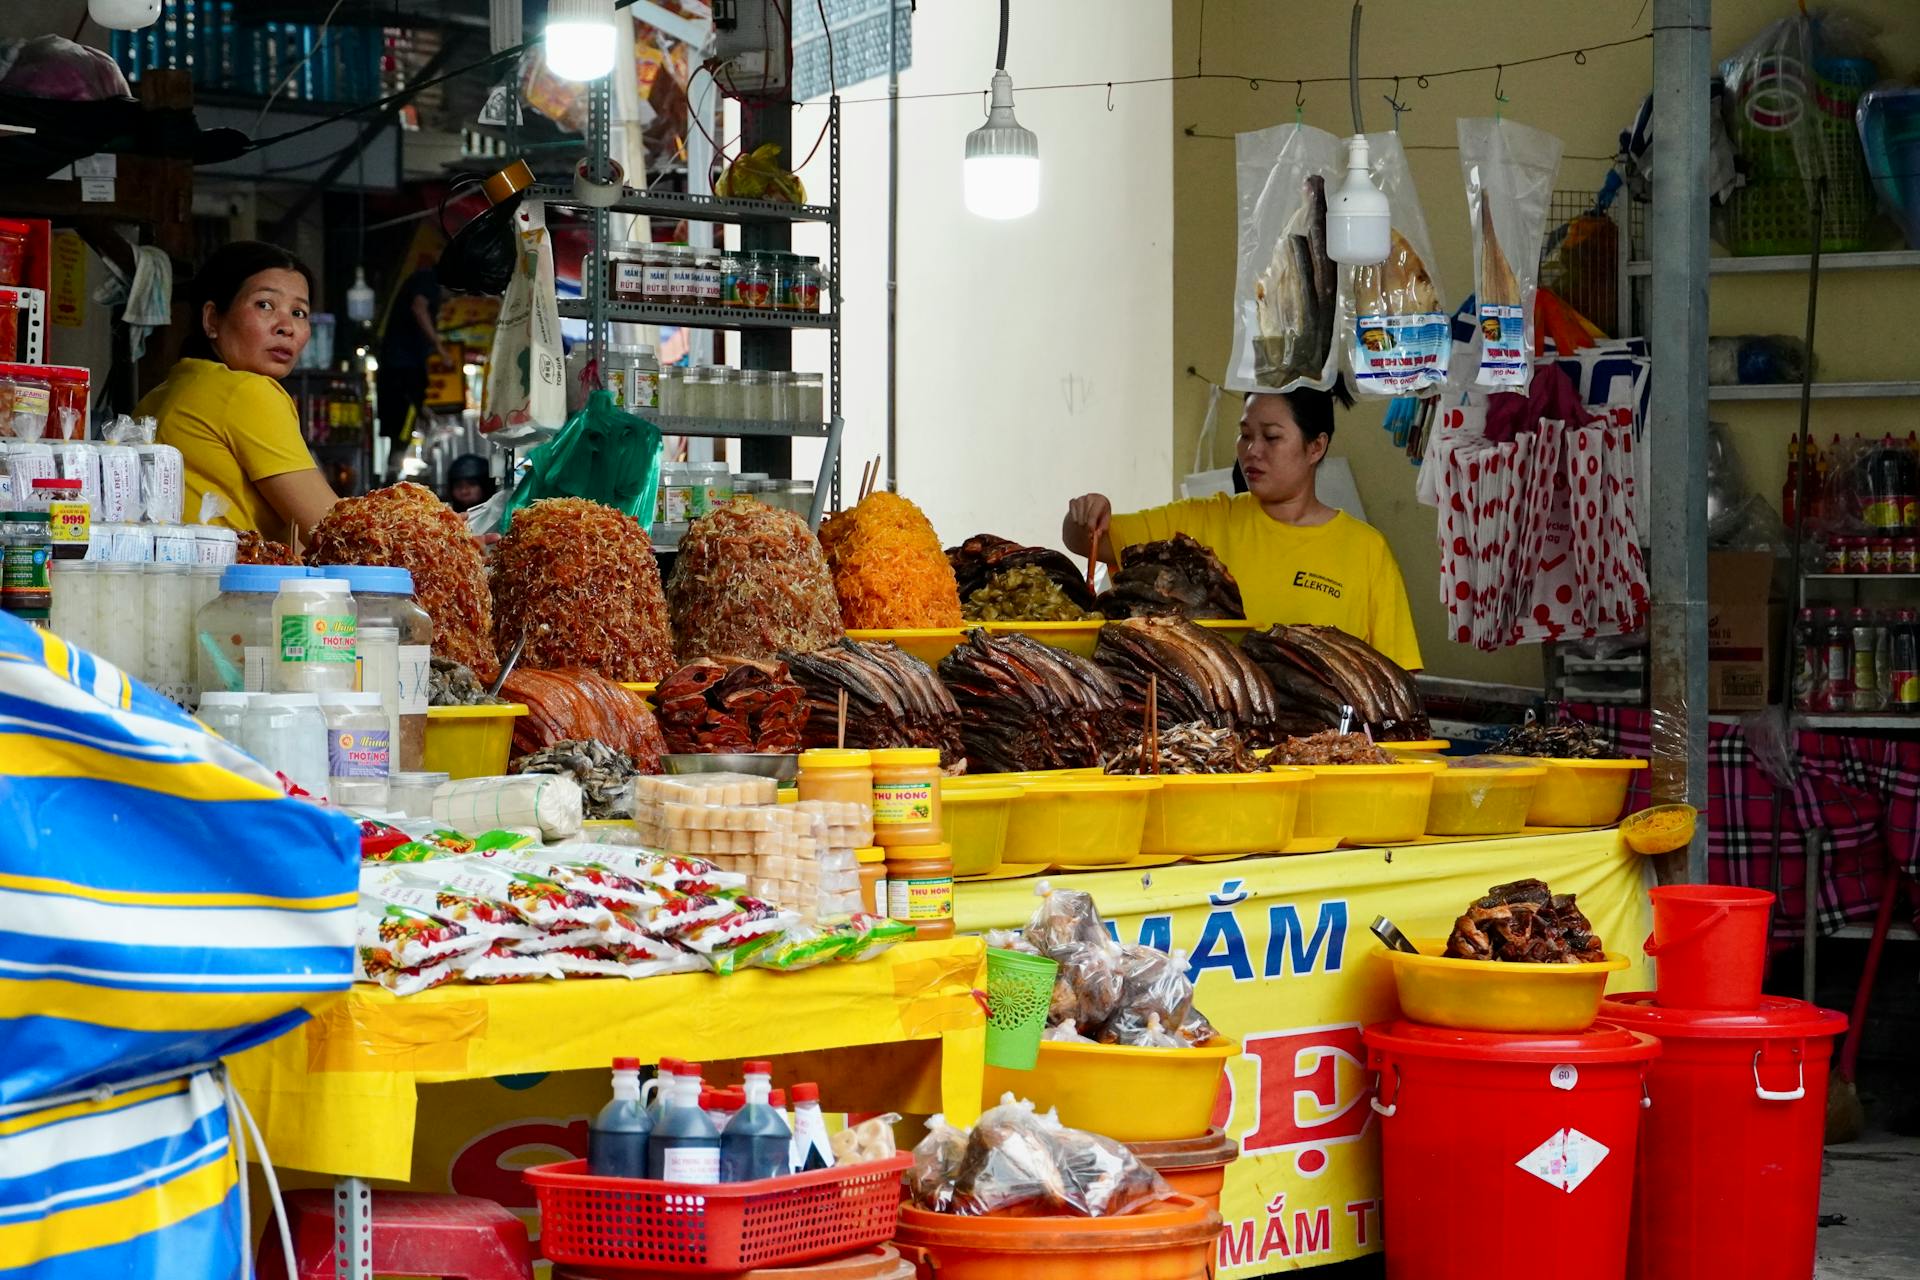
x: 1564, y: 1076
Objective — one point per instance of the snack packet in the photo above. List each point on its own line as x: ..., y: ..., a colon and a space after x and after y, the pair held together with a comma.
x: 451, y: 844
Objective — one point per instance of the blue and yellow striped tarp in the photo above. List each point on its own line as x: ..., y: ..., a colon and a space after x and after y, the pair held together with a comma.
x: 161, y: 905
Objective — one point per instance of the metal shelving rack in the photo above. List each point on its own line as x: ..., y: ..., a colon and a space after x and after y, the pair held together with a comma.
x: 600, y: 312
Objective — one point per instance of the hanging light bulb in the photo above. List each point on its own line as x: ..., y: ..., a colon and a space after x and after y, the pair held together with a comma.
x: 124, y: 15
x: 1000, y: 177
x: 1359, y: 224
x: 360, y: 298
x: 580, y: 38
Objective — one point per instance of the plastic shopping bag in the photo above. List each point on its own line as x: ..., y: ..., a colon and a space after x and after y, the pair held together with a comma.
x: 604, y: 454
x: 526, y: 389
x: 1204, y: 483
x: 1399, y: 342
x: 1509, y: 170
x: 1287, y: 313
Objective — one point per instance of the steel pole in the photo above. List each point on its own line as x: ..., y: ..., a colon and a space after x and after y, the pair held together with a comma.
x: 1677, y: 428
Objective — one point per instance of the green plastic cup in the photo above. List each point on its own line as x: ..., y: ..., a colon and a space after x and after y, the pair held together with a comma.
x: 1019, y: 993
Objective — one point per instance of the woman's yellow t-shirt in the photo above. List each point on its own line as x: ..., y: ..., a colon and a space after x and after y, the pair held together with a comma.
x: 1338, y: 574
x: 233, y: 430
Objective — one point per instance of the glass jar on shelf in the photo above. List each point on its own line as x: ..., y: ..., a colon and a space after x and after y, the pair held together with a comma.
x: 706, y: 277
x: 693, y: 392
x: 785, y: 266
x: 656, y: 273
x: 756, y: 397
x: 670, y: 389
x: 809, y: 283
x: 626, y: 271
x: 780, y: 396
x: 809, y: 399
x: 756, y: 282
x: 683, y: 283
x: 731, y: 265
x: 730, y: 395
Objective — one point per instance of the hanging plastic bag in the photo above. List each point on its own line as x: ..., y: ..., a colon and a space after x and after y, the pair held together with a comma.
x: 526, y: 388
x: 1286, y: 297
x: 603, y: 454
x: 1203, y: 482
x: 1509, y: 169
x: 1399, y: 342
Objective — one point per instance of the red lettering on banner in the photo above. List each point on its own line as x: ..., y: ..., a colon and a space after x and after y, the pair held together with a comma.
x: 480, y: 1168
x: 1315, y: 1234
x: 1236, y: 1244
x: 1274, y: 1239
x: 1359, y: 1209
x: 1300, y: 1070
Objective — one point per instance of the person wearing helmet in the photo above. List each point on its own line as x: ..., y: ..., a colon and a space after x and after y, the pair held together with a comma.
x: 469, y: 482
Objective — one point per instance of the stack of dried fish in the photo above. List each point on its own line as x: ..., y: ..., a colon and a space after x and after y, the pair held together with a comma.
x: 1569, y: 741
x: 605, y: 775
x: 1528, y: 923
x: 983, y: 558
x: 732, y: 706
x: 1329, y: 746
x: 1178, y: 577
x: 1202, y: 678
x: 893, y: 699
x: 1025, y: 705
x: 1189, y: 748
x: 1320, y: 670
x: 1294, y: 297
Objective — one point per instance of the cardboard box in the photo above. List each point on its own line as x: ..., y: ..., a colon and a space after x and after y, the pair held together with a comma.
x: 1741, y: 657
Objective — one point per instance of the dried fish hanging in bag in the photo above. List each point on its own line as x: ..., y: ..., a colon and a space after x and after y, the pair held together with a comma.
x: 1025, y: 705
x: 1509, y: 170
x: 1401, y: 336
x: 1287, y: 304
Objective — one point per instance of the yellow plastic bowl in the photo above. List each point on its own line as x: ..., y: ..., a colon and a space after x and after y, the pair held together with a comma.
x: 1491, y: 995
x: 470, y: 742
x: 927, y: 644
x: 1661, y: 829
x: 1130, y: 1095
x: 1581, y: 793
x: 973, y: 819
x: 1198, y: 814
x: 1079, y: 821
x: 1421, y: 744
x: 1232, y: 630
x: 1368, y: 803
x: 1075, y: 637
x: 1482, y: 802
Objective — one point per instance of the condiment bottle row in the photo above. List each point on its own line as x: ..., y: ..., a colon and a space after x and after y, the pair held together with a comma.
x: 683, y: 275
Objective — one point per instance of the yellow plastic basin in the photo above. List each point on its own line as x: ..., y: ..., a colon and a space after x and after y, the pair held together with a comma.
x: 1367, y: 803
x: 1075, y: 637
x: 1232, y: 630
x: 1420, y: 744
x: 1198, y: 814
x: 1661, y: 829
x: 927, y: 644
x: 1482, y: 801
x: 1491, y: 995
x: 1079, y: 821
x: 1130, y: 1095
x: 973, y: 819
x: 1581, y: 793
x: 470, y: 742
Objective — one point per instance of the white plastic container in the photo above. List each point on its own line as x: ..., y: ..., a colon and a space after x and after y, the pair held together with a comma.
x: 206, y: 585
x: 314, y: 625
x: 411, y: 793
x: 223, y: 712
x: 76, y: 592
x: 120, y: 618
x: 233, y: 644
x: 286, y: 733
x: 359, y: 749
x: 756, y: 396
x: 168, y: 639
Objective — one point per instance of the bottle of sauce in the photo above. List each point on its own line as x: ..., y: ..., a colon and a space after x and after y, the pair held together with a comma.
x: 1903, y: 663
x: 684, y: 1145
x: 757, y: 1142
x: 1836, y: 667
x: 618, y: 1138
x: 810, y: 1148
x: 1867, y: 695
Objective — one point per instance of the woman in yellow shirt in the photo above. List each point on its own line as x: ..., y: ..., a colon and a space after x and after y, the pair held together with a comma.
x: 223, y: 407
x: 1297, y: 560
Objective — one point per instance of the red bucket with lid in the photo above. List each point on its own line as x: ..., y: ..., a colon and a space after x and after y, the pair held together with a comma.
x: 1710, y: 942
x: 1730, y: 1158
x: 1488, y: 1138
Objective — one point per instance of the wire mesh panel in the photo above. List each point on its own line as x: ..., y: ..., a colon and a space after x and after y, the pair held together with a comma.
x: 1580, y: 259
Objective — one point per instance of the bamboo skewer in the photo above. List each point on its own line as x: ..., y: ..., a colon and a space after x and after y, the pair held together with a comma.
x: 1150, y: 741
x: 840, y: 734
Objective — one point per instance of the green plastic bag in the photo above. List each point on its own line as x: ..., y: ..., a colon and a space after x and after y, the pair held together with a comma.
x: 603, y: 454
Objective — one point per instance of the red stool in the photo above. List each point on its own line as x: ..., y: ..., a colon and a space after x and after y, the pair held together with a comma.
x: 459, y: 1237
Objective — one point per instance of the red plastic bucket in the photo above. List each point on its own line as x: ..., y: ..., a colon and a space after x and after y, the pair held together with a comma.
x: 1711, y: 944
x: 1730, y: 1159
x: 1488, y: 1137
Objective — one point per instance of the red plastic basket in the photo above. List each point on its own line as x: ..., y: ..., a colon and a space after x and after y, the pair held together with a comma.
x: 640, y: 1225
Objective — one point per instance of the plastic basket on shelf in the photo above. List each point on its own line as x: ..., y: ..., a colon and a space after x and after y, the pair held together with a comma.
x: 1019, y: 993
x: 1773, y: 212
x: 620, y: 1225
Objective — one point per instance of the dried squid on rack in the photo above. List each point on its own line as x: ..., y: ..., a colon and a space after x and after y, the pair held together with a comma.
x: 750, y: 582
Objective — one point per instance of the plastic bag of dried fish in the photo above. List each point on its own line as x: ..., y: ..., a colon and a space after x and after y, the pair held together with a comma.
x: 1509, y: 170
x: 1400, y: 339
x: 1287, y: 308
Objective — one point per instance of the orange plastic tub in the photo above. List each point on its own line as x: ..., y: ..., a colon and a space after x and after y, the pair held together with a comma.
x: 1174, y: 1240
x: 1194, y: 1167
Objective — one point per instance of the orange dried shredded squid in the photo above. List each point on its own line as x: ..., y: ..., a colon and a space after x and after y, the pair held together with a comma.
x: 889, y: 569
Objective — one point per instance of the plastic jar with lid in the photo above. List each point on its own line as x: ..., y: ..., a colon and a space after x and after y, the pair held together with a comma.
x: 26, y: 401
x: 672, y: 389
x: 1906, y: 555
x: 233, y: 647
x: 169, y: 631
x: 872, y: 863
x: 314, y: 620
x: 719, y: 479
x: 223, y: 712
x: 76, y: 592
x: 67, y: 402
x: 286, y: 733
x: 675, y: 497
x: 1859, y: 555
x: 13, y: 250
x: 780, y: 395
x: 412, y: 793
x: 383, y: 598
x: 626, y: 271
x: 683, y: 282
x: 731, y: 265
x: 206, y: 585
x: 643, y: 378
x: 706, y: 276
x: 792, y: 495
x: 920, y: 886
x: 808, y: 401
x: 840, y: 776
x: 756, y: 282
x: 656, y: 278
x: 808, y: 283
x: 696, y: 393
x: 359, y: 749
x: 26, y: 543
x: 756, y: 396
x: 725, y: 392
x: 119, y: 620
x: 906, y: 797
